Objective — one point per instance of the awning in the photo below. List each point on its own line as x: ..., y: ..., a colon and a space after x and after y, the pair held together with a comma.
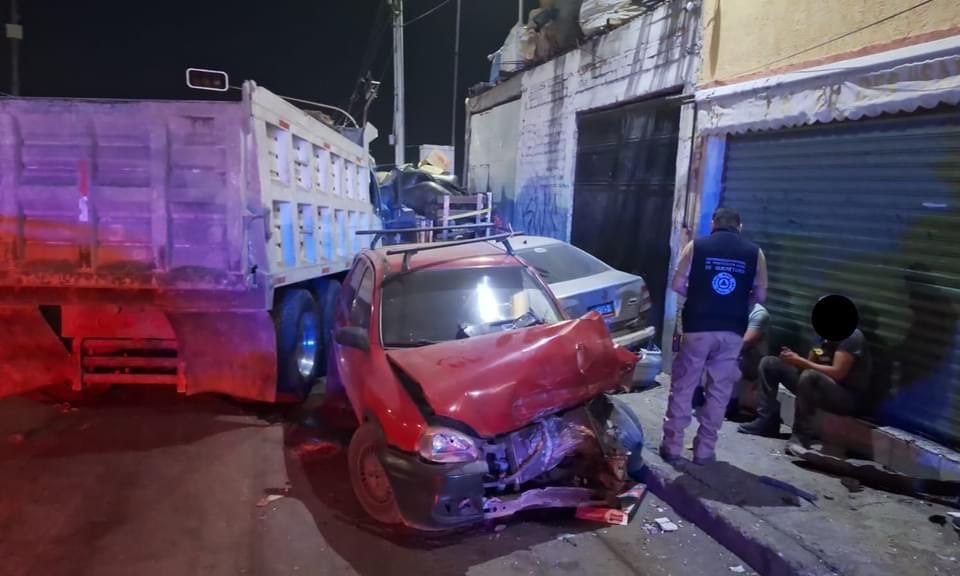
x: 904, y: 80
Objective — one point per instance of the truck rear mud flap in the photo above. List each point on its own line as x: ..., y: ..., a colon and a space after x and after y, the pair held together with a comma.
x: 233, y: 353
x: 226, y: 352
x: 32, y: 357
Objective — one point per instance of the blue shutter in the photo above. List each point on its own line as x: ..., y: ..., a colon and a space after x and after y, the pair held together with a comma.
x: 869, y: 209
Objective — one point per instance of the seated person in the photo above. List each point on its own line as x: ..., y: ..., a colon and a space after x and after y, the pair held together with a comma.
x: 835, y: 377
x: 755, y: 347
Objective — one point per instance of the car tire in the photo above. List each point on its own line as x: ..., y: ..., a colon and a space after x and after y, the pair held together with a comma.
x: 299, y: 344
x: 327, y: 294
x: 368, y: 477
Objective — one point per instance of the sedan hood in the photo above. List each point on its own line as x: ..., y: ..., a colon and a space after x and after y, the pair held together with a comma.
x: 499, y: 383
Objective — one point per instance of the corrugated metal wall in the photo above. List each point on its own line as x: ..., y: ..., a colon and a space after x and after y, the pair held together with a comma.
x: 870, y: 209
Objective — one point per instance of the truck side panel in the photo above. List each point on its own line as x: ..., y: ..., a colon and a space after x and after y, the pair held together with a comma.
x: 141, y: 194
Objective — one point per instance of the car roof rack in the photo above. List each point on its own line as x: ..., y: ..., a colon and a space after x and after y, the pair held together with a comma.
x: 503, y: 237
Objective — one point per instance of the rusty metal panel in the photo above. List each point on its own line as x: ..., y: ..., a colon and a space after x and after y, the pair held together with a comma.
x: 870, y: 209
x: 139, y: 191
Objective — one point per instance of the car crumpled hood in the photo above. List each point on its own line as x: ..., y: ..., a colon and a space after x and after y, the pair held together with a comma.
x: 501, y: 382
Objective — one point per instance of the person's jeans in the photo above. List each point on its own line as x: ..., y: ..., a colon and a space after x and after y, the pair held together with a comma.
x: 814, y: 390
x: 716, y: 353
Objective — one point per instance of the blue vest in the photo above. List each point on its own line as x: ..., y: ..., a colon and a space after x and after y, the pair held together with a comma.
x: 721, y: 279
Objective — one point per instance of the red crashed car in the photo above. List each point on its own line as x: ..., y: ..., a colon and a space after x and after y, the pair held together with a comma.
x: 476, y: 397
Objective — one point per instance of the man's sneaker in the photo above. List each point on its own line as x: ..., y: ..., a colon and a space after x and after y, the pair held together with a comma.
x: 761, y: 427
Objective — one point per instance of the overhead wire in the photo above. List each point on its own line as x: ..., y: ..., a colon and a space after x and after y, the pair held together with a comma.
x: 427, y: 13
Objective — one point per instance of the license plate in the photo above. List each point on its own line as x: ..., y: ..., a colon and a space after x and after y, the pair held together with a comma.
x: 605, y: 309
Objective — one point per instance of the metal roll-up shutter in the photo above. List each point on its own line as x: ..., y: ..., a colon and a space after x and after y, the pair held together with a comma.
x: 869, y: 209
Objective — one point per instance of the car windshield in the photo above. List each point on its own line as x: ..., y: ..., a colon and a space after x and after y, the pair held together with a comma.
x: 430, y: 306
x: 561, y: 262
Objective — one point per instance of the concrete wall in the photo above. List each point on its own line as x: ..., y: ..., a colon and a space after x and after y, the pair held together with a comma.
x: 651, y: 54
x: 752, y: 38
x: 494, y: 136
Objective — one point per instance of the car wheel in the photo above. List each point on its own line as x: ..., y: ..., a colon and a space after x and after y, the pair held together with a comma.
x: 299, y: 344
x: 368, y: 477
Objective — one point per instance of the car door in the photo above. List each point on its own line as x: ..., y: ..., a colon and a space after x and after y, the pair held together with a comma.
x: 355, y: 311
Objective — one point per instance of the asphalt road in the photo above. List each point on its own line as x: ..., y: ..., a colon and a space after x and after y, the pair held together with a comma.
x: 147, y: 483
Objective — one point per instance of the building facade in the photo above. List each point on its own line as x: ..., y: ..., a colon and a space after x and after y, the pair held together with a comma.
x: 594, y: 146
x: 836, y: 133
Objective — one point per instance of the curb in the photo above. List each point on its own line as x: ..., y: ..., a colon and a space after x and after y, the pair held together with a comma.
x: 757, y: 542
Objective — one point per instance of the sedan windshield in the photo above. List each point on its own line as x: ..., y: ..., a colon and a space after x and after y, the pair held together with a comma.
x: 430, y: 306
x: 561, y: 262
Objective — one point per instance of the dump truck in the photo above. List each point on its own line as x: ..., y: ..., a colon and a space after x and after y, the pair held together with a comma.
x: 194, y: 244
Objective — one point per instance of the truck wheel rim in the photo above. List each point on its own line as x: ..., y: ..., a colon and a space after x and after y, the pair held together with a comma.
x: 374, y: 478
x: 307, y: 345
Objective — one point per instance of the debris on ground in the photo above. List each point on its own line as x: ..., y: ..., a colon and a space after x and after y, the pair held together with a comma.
x: 568, y: 538
x: 651, y: 528
x: 629, y: 504
x: 738, y: 569
x: 500, y: 528
x: 65, y: 408
x: 666, y: 524
x: 273, y: 494
x: 852, y: 484
x: 269, y: 499
x: 316, y: 448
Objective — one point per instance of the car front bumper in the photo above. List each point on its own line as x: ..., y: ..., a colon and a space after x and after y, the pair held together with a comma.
x: 435, y: 496
x: 633, y: 340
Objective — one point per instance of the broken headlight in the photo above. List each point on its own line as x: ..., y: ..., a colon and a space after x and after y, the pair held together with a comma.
x: 446, y: 446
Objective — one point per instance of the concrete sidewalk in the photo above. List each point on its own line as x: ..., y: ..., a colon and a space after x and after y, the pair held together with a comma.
x: 865, y: 533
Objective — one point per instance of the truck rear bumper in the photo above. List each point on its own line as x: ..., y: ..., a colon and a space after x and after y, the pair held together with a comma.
x: 227, y: 352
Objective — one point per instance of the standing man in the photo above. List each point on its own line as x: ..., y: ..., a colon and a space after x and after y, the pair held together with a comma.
x: 722, y: 276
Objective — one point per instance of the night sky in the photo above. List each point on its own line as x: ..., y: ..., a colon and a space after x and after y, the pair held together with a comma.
x: 313, y: 49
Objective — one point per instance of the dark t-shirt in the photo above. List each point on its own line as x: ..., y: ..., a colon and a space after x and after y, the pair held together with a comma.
x: 859, y: 377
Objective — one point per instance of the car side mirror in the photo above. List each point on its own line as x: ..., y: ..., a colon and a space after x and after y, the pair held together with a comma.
x: 353, y: 337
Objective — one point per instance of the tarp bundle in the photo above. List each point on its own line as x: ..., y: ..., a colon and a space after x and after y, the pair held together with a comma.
x: 599, y: 15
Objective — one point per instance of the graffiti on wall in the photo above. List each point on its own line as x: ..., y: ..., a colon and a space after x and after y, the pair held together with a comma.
x: 535, y: 210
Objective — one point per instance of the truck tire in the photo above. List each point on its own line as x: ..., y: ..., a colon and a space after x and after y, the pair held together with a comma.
x: 299, y: 348
x: 327, y: 294
x: 368, y: 477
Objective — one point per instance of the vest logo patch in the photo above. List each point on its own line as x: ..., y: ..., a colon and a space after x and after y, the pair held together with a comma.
x: 724, y: 284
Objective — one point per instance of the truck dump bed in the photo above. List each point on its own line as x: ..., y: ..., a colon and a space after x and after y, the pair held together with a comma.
x: 165, y: 221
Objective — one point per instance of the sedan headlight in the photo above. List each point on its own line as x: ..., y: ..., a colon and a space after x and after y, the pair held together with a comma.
x: 445, y: 446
